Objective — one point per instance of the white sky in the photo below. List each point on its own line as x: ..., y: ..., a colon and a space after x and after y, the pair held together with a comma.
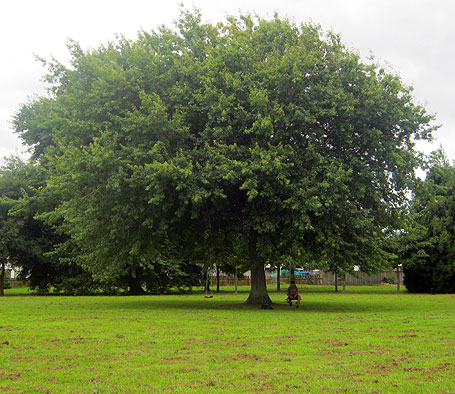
x: 414, y: 37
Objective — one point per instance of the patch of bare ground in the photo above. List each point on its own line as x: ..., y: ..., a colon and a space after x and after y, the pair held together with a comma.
x: 326, y: 352
x: 60, y: 367
x: 190, y: 341
x: 329, y: 342
x: 385, y: 369
x: 248, y: 356
x: 298, y: 387
x: 242, y: 345
x: 344, y: 390
x: 260, y: 376
x: 41, y: 389
x: 8, y: 390
x: 77, y: 340
x: 147, y: 343
x: 283, y: 340
x: 395, y: 364
x: 350, y: 318
x: 284, y: 354
x: 13, y: 375
x: 333, y: 347
x: 60, y: 318
x: 266, y: 387
x: 338, y: 344
x: 172, y: 360
x: 136, y: 319
x: 432, y: 370
x: 186, y: 370
x: 380, y: 349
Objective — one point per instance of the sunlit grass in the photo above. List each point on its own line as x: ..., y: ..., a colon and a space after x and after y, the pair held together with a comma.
x: 367, y: 340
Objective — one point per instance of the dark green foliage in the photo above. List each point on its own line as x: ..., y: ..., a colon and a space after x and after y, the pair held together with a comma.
x: 27, y: 242
x: 429, y: 246
x: 164, y: 278
x: 21, y: 238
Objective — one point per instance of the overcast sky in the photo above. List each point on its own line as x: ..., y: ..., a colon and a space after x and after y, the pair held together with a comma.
x: 413, y: 37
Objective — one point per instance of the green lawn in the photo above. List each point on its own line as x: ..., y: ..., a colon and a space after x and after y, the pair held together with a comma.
x: 369, y: 340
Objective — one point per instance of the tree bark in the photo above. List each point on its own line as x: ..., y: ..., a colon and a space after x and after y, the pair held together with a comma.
x: 258, y: 293
x: 336, y: 281
x: 135, y: 286
x: 398, y: 279
x: 278, y: 279
x: 291, y: 272
x: 2, y: 278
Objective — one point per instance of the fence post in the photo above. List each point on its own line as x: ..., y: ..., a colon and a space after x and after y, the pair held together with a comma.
x: 235, y: 279
x: 278, y: 279
x: 2, y: 277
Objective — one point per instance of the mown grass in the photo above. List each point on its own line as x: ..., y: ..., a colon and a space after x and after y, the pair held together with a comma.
x: 368, y: 340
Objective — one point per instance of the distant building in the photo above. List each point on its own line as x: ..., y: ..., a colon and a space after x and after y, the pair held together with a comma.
x: 11, y: 272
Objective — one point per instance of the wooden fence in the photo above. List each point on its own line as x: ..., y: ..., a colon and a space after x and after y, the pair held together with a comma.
x: 17, y: 283
x: 324, y: 278
x: 229, y: 281
x: 362, y: 279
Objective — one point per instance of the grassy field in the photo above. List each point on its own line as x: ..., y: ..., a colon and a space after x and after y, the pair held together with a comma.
x: 368, y: 340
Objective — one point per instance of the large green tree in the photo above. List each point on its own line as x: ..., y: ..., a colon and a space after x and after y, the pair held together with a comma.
x: 246, y: 138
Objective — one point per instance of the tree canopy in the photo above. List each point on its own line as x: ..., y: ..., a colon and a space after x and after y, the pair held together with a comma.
x: 242, y: 140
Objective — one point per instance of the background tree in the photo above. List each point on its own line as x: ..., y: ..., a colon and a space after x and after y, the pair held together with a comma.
x: 16, y: 234
x: 428, y: 252
x: 27, y: 243
x: 275, y: 135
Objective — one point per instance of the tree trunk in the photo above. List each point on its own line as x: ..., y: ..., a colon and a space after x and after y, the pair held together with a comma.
x: 207, y: 281
x: 291, y: 272
x: 217, y: 278
x: 336, y: 281
x: 2, y: 278
x: 258, y: 293
x: 135, y: 286
x: 398, y: 279
x: 278, y: 279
